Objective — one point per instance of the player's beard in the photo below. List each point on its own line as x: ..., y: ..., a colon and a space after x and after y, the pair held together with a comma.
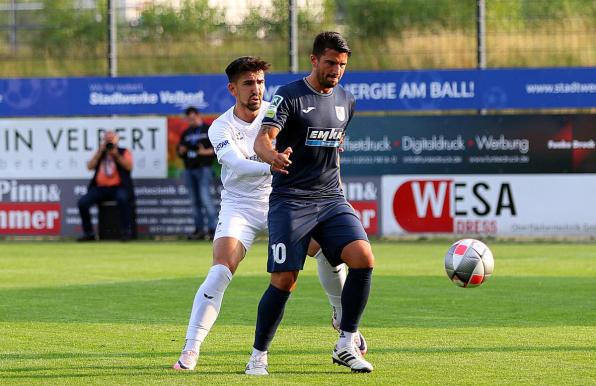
x: 252, y: 105
x: 327, y: 82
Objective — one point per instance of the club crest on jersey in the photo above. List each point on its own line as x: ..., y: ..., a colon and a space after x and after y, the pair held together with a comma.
x: 275, y: 102
x: 340, y: 113
x: 324, y: 136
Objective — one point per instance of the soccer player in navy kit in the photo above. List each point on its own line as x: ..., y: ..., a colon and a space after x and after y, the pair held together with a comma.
x: 307, y: 120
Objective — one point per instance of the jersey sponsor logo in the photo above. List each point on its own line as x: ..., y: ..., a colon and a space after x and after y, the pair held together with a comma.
x: 272, y: 110
x: 340, y: 113
x: 308, y: 109
x: 221, y: 145
x: 324, y: 136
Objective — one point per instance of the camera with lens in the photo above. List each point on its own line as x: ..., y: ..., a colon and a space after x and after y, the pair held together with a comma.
x: 109, y: 146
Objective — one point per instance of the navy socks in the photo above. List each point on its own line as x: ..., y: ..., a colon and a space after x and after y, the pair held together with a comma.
x: 353, y: 300
x: 270, y: 313
x: 354, y: 297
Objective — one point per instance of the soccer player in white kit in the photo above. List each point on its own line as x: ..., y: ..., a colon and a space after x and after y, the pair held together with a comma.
x: 244, y: 205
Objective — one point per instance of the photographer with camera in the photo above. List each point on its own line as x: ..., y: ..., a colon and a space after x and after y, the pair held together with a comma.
x: 111, y: 181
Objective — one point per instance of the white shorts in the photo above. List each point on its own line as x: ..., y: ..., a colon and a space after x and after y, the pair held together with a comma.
x: 241, y: 221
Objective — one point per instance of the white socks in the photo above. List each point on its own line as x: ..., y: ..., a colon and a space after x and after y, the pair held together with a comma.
x: 206, y: 306
x: 257, y: 353
x: 346, y: 339
x: 332, y: 279
x: 209, y: 296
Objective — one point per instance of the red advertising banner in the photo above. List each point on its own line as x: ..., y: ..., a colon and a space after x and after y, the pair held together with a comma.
x: 30, y: 218
x: 368, y: 213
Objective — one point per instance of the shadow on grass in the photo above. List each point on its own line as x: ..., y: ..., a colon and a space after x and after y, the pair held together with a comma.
x: 136, y: 374
x: 231, y: 353
x: 126, y: 371
x: 404, y: 301
x: 84, y: 371
x: 208, y: 368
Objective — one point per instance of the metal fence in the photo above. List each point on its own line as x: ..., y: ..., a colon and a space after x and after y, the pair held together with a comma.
x: 70, y: 37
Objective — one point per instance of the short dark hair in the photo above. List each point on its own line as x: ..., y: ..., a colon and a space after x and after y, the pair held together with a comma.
x: 191, y: 110
x: 330, y: 40
x: 245, y: 64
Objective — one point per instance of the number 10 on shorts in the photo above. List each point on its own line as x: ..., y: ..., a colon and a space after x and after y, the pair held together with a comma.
x: 279, y: 252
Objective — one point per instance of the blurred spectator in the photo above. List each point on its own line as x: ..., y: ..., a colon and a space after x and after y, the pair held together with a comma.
x: 196, y: 151
x: 111, y: 181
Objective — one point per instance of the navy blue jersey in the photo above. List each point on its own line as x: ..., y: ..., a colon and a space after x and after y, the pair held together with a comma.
x: 312, y: 124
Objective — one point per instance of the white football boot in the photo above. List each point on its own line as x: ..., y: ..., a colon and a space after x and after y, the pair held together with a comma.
x: 359, y: 339
x: 350, y: 356
x: 187, y: 361
x: 257, y: 365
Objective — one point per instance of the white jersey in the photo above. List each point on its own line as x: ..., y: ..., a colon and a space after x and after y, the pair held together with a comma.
x: 229, y: 133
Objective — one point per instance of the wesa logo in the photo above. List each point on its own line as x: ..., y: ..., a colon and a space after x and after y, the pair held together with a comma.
x: 447, y: 206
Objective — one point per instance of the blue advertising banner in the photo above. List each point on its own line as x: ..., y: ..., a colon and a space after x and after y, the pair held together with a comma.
x: 470, y: 144
x: 374, y: 91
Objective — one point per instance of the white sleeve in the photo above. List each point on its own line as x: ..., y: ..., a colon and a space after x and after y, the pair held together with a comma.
x: 244, y: 167
x: 221, y: 138
x: 228, y: 154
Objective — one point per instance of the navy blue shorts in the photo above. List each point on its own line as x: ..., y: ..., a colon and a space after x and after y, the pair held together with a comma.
x: 292, y: 223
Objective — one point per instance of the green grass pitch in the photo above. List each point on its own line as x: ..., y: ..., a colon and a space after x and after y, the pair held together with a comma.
x: 113, y: 313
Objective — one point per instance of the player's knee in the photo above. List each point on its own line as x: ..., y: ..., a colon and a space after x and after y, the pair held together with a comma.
x: 365, y: 261
x: 358, y: 254
x: 229, y: 252
x: 230, y: 263
x: 285, y: 281
x: 369, y: 260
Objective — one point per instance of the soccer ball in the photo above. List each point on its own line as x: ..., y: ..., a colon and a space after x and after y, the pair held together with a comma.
x: 469, y: 263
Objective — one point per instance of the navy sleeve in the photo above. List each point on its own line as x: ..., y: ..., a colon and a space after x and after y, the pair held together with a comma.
x: 279, y: 110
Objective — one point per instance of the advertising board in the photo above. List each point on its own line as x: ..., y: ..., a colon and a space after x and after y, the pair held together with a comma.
x: 421, y: 90
x: 490, y: 205
x: 60, y: 148
x: 35, y: 207
x: 492, y: 144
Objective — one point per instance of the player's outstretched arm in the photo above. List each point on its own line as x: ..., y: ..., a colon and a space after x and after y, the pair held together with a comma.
x: 264, y: 149
x: 242, y: 166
